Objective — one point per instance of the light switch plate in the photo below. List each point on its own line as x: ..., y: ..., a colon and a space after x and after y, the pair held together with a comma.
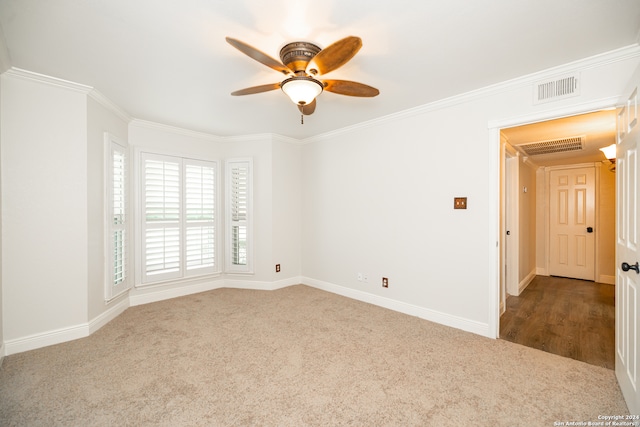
x: 459, y: 203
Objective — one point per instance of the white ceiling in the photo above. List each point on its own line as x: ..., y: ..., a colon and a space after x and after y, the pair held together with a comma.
x: 168, y: 62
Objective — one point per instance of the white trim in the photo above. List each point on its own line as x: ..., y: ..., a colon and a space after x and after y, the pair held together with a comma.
x: 156, y: 294
x: 526, y: 281
x: 1, y: 354
x: 556, y: 113
x: 110, y: 105
x: 145, y: 124
x: 107, y: 316
x: 145, y: 297
x: 265, y: 286
x: 402, y: 307
x: 58, y: 336
x: 48, y: 80
x: 44, y: 339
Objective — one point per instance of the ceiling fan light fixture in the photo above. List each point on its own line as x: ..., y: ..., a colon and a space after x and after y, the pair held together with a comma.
x: 302, y: 90
x: 610, y: 152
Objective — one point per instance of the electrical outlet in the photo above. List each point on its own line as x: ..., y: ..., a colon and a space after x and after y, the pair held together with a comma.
x: 385, y: 282
x: 277, y: 268
x: 359, y: 277
x: 365, y: 278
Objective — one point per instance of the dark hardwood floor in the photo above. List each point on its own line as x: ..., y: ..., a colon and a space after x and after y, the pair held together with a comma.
x: 568, y: 317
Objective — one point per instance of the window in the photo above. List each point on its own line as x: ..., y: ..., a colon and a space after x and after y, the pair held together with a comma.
x: 238, y: 215
x: 178, y: 217
x: 117, y: 247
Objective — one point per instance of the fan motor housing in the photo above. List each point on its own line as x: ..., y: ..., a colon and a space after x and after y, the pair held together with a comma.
x: 297, y: 55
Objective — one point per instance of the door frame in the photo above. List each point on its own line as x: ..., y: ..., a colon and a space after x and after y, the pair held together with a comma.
x: 495, y: 159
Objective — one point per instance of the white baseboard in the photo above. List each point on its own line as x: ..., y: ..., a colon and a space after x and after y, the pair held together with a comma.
x: 525, y: 282
x: 142, y: 295
x: 609, y: 280
x: 265, y: 286
x: 149, y: 295
x: 45, y: 339
x: 468, y: 325
x: 154, y: 294
x: 106, y: 317
x: 2, y: 354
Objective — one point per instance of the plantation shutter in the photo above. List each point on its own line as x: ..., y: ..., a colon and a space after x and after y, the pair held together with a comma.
x: 200, y: 184
x: 116, y: 239
x: 239, y: 211
x: 179, y: 217
x: 161, y: 224
x: 118, y: 216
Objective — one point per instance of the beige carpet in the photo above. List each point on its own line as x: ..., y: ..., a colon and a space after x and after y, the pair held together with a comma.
x: 294, y: 357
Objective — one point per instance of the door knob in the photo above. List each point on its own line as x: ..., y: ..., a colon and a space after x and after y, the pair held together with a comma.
x: 589, y: 229
x: 626, y: 267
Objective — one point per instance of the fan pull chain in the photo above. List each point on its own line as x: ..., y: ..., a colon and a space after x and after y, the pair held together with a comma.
x: 301, y: 119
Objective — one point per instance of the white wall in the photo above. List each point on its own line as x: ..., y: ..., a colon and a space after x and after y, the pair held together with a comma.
x: 44, y: 196
x: 379, y: 199
x: 286, y: 194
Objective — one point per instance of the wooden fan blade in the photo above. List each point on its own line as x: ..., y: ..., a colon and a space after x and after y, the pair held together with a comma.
x: 256, y: 89
x: 334, y: 56
x: 261, y: 57
x: 308, y: 109
x: 346, y: 87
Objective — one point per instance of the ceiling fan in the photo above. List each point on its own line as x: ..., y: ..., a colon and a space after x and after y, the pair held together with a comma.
x: 303, y: 63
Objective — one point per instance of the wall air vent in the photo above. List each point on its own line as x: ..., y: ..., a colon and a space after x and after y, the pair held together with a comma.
x: 556, y: 88
x: 553, y: 146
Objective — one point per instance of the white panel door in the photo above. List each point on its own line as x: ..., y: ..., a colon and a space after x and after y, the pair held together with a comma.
x: 627, y: 251
x: 571, y: 221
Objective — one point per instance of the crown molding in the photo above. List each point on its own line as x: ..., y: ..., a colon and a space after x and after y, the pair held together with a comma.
x: 146, y: 124
x: 618, y: 55
x: 211, y: 137
x: 275, y: 137
x: 48, y: 80
x: 110, y: 105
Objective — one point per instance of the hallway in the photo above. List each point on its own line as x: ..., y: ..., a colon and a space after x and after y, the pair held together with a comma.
x: 568, y: 317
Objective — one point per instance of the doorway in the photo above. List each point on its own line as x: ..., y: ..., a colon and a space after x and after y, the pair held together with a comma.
x: 593, y: 130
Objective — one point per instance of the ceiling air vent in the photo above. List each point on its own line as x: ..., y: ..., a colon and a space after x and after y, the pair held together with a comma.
x: 556, y: 88
x: 553, y: 146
